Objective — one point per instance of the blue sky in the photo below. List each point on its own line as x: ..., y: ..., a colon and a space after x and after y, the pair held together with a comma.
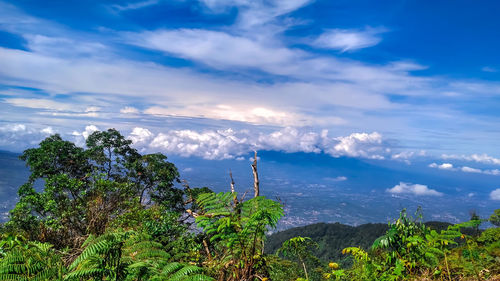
x: 399, y: 81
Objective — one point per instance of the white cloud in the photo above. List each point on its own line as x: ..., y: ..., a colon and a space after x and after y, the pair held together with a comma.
x: 465, y: 169
x: 495, y: 194
x: 255, y: 14
x: 92, y: 109
x: 55, y: 108
x: 134, y: 5
x: 339, y: 178
x: 39, y: 104
x: 129, y: 110
x: 64, y: 47
x: 140, y: 135
x: 359, y: 145
x: 470, y: 170
x: 16, y: 137
x: 403, y: 155
x: 13, y: 128
x: 48, y: 131
x: 480, y: 158
x: 87, y: 132
x: 494, y: 172
x: 444, y: 166
x: 291, y: 140
x: 349, y: 40
x: 217, y: 49
x: 415, y: 189
x: 221, y: 144
x: 243, y: 113
x: 231, y: 144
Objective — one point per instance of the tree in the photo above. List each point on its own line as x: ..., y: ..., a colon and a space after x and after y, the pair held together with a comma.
x: 299, y: 248
x: 86, y: 188
x: 495, y: 218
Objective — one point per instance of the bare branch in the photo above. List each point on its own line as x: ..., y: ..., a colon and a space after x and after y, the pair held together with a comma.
x: 255, y: 176
x: 232, y: 181
x: 207, y: 250
x: 191, y: 213
x: 235, y: 198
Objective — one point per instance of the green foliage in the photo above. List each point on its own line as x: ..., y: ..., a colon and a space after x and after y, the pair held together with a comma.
x: 10, y: 241
x: 299, y: 248
x: 84, y: 189
x: 33, y: 261
x: 495, y: 218
x: 128, y: 256
x: 237, y: 231
x: 331, y: 239
x: 282, y: 269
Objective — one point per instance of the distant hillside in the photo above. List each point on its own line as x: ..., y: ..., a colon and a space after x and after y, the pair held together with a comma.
x: 13, y: 173
x: 333, y: 237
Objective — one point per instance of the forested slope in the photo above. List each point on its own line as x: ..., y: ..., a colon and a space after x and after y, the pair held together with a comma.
x: 333, y: 237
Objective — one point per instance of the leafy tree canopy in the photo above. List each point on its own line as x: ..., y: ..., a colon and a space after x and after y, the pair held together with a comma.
x: 85, y: 188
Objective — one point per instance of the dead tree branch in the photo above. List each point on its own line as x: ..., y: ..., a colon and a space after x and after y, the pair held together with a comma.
x: 255, y: 176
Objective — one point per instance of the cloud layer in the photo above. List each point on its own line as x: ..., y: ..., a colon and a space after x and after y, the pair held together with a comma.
x: 252, y: 68
x: 229, y: 144
x: 465, y: 169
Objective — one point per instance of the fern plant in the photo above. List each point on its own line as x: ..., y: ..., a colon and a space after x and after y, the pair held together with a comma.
x: 32, y: 261
x: 237, y: 229
x: 127, y: 256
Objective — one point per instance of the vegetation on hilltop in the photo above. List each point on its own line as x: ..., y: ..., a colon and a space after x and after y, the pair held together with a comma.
x: 107, y: 212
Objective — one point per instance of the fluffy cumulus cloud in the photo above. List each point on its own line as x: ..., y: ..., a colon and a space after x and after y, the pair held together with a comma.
x: 216, y: 144
x: 414, y: 189
x: 220, y: 144
x: 232, y: 144
x: 140, y: 135
x: 360, y: 145
x: 495, y: 194
x: 80, y: 137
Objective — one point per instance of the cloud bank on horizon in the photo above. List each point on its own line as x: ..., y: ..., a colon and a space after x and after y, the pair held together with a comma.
x: 216, y: 79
